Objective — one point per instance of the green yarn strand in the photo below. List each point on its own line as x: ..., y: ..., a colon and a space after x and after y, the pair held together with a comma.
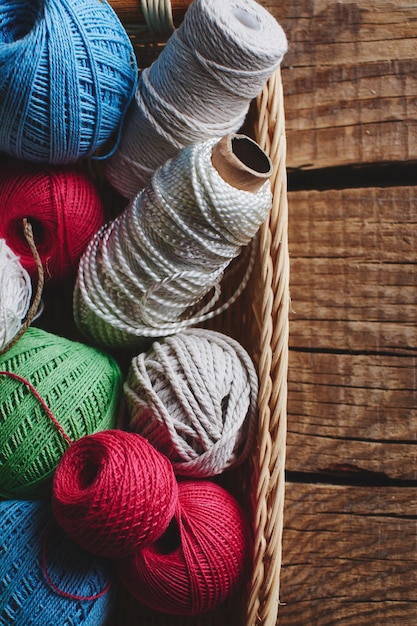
x: 80, y: 385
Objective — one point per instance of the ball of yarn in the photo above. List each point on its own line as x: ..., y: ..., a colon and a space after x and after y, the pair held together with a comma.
x: 199, y: 87
x: 64, y: 208
x: 26, y: 596
x: 15, y: 294
x: 202, y: 559
x: 113, y: 493
x: 194, y: 396
x: 146, y: 273
x: 67, y: 75
x: 81, y: 387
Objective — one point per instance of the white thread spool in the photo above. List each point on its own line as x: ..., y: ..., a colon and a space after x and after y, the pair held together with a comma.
x: 200, y: 86
x: 194, y: 397
x: 142, y: 274
x: 15, y: 294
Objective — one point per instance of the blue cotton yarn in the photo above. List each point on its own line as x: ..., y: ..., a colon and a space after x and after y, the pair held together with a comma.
x: 26, y: 598
x: 67, y: 76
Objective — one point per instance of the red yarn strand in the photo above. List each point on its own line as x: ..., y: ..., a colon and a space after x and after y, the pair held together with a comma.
x: 41, y: 401
x: 65, y: 594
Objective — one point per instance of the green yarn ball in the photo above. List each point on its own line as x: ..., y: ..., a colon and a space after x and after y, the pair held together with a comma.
x: 79, y: 384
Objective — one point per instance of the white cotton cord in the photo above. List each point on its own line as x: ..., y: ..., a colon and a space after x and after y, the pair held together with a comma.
x: 194, y: 397
x: 158, y: 16
x: 157, y: 268
x: 157, y: 21
x: 15, y: 294
x: 199, y: 87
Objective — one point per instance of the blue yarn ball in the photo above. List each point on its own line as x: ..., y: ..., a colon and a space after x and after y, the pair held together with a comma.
x: 25, y: 595
x: 67, y: 75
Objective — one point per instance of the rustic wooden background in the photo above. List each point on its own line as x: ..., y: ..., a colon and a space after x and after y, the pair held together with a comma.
x: 350, y: 536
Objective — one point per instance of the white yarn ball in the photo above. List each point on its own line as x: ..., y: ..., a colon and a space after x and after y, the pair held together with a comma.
x: 200, y: 86
x: 15, y: 294
x: 194, y: 397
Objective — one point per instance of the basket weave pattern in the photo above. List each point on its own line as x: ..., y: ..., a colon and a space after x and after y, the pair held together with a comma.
x: 259, y: 319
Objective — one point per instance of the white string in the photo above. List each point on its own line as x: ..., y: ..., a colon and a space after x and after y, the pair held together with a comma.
x: 199, y: 87
x: 194, y: 397
x: 144, y: 273
x: 158, y: 16
x: 15, y: 294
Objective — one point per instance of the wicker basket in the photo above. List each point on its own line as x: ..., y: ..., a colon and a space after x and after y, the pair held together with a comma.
x: 259, y: 320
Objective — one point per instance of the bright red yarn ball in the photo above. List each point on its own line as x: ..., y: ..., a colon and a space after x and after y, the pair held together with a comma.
x: 114, y: 493
x: 201, y: 559
x: 63, y: 206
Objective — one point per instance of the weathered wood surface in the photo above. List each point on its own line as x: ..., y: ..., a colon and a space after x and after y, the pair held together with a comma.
x: 354, y: 270
x: 350, y: 415
x: 350, y: 556
x: 350, y: 80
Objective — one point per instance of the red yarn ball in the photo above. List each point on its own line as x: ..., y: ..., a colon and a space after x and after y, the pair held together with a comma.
x: 113, y: 493
x: 64, y: 208
x: 201, y: 559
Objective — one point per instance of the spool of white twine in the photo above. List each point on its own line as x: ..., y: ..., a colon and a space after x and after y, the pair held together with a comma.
x: 200, y: 86
x: 15, y: 294
x: 194, y: 397
x: 143, y: 273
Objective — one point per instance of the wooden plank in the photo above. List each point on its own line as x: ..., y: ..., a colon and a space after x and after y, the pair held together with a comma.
x: 353, y: 457
x: 352, y: 416
x: 354, y: 269
x: 346, y: 396
x: 350, y: 556
x: 350, y: 79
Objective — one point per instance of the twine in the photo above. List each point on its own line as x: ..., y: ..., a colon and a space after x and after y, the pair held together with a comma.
x: 142, y: 274
x: 67, y: 75
x: 44, y: 376
x: 199, y: 87
x: 44, y: 577
x: 64, y: 207
x: 194, y: 396
x: 114, y: 493
x: 201, y: 560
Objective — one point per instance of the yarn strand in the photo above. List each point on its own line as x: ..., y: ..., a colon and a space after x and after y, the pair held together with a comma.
x: 41, y: 402
x: 61, y: 592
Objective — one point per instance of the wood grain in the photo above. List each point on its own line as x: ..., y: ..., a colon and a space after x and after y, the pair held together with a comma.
x: 350, y: 556
x: 350, y: 81
x: 352, y: 415
x: 354, y: 270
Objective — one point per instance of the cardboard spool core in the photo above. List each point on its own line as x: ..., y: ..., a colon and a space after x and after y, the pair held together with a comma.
x: 241, y: 162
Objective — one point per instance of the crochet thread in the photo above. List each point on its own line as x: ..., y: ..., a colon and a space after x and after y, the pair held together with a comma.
x: 80, y: 385
x: 15, y: 294
x: 202, y: 559
x: 199, y: 87
x: 64, y: 208
x: 114, y: 493
x: 80, y: 593
x: 194, y: 396
x: 142, y: 274
x: 67, y: 75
